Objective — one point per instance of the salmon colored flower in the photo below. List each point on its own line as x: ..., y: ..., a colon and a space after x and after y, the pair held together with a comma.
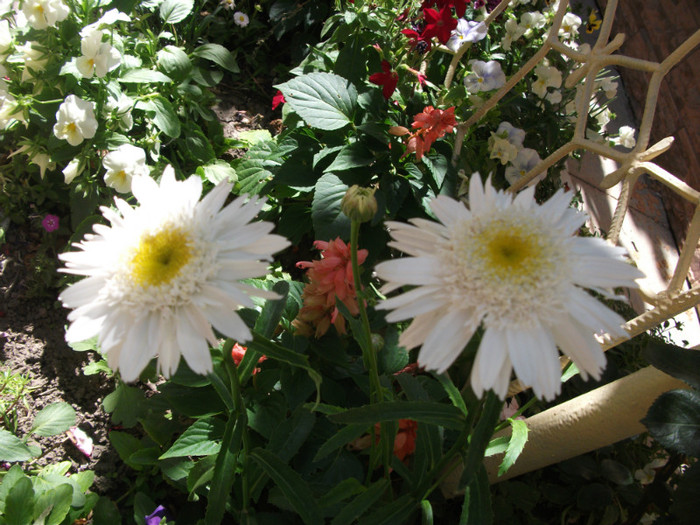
x: 430, y: 125
x: 404, y: 442
x: 388, y: 79
x: 329, y: 277
x: 238, y: 353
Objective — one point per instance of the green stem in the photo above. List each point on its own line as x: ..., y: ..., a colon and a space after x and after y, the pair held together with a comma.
x: 240, y: 412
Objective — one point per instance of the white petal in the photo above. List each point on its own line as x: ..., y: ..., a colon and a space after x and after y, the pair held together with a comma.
x: 136, y: 353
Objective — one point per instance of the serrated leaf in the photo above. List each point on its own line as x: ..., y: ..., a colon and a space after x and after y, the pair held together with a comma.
x: 125, y: 404
x: 218, y: 171
x: 328, y: 219
x: 258, y: 167
x: 292, y: 485
x: 143, y: 76
x: 674, y: 421
x: 219, y: 55
x: 201, y: 439
x: 53, y: 420
x: 163, y: 114
x: 517, y: 441
x: 13, y: 448
x: 324, y: 100
x: 174, y: 11
x: 421, y: 411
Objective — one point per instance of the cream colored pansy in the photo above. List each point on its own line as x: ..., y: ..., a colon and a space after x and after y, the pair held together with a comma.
x: 625, y: 137
x: 569, y: 26
x: 34, y: 59
x: 75, y: 120
x: 547, y: 77
x: 98, y: 57
x: 514, y: 268
x: 122, y: 165
x: 41, y: 14
x: 164, y: 274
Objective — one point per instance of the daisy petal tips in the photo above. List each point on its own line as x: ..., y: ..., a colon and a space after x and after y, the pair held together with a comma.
x: 515, y: 268
x: 164, y: 273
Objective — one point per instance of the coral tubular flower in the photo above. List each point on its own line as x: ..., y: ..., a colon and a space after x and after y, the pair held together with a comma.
x: 329, y: 277
x: 238, y: 353
x: 513, y: 267
x: 430, y: 125
x: 388, y: 79
x: 165, y: 272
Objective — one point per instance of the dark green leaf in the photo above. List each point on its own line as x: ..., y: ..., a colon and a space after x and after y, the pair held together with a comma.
x: 126, y: 404
x: 201, y: 439
x: 106, y: 512
x: 219, y: 55
x: 342, y: 491
x: 193, y: 402
x: 674, y: 421
x: 594, y: 496
x: 174, y: 62
x: 476, y: 507
x: 452, y: 392
x: 201, y: 473
x: 685, y: 500
x: 481, y: 436
x: 682, y: 363
x: 291, y: 484
x: 163, y: 114
x: 19, y: 504
x: 13, y: 448
x: 225, y: 468
x: 616, y: 472
x: 125, y: 444
x: 324, y: 100
x: 398, y: 511
x: 360, y: 503
x: 54, y: 504
x: 328, y: 220
x: 340, y: 439
x: 352, y: 156
x: 421, y: 411
x: 53, y: 419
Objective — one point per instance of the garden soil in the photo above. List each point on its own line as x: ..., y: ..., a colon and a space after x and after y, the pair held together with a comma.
x: 32, y: 327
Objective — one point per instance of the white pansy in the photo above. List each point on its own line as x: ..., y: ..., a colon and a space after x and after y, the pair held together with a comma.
x: 122, y: 165
x: 164, y: 274
x: 34, y: 59
x: 98, y: 57
x: 547, y: 76
x: 5, y: 36
x: 41, y: 14
x: 514, y: 135
x: 501, y: 149
x: 514, y: 268
x: 120, y: 106
x: 609, y: 86
x: 71, y: 171
x: 625, y: 137
x: 9, y: 110
x: 555, y: 97
x: 531, y: 21
x: 513, y: 32
x: 75, y: 120
x: 525, y: 160
x: 602, y: 117
x: 111, y: 17
x: 240, y: 19
x: 484, y: 76
x: 466, y: 31
x: 569, y: 26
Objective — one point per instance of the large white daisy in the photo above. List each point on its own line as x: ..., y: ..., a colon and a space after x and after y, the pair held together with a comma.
x: 165, y: 272
x: 514, y: 266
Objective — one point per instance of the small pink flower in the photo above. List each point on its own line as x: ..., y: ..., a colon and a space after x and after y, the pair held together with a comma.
x: 50, y: 223
x: 277, y: 100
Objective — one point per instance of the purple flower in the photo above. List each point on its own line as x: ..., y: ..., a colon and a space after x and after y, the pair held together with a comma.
x: 50, y: 223
x: 466, y: 31
x: 154, y: 517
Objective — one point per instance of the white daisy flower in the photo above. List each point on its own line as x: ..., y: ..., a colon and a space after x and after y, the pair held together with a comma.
x: 513, y: 267
x: 240, y: 19
x: 165, y: 272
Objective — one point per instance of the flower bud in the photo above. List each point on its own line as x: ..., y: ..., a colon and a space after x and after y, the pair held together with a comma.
x: 359, y: 203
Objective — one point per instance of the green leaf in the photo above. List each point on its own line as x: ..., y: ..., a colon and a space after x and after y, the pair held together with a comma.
x: 477, y: 501
x: 201, y: 439
x: 682, y: 363
x: 163, y: 114
x: 685, y: 498
x: 198, y: 146
x: 193, y: 402
x: 219, y: 55
x: 398, y: 511
x: 19, y: 504
x: 674, y: 421
x: 340, y: 439
x: 480, y: 438
x: 359, y: 504
x: 452, y: 392
x: 9, y: 479
x: 54, y: 504
x: 217, y: 171
x: 355, y: 155
x: 258, y: 167
x: 518, y: 438
x: 174, y: 62
x: 125, y: 444
x: 497, y: 446
x: 201, y: 473
x: 328, y: 219
x: 13, y: 448
x: 106, y: 512
x: 324, y: 100
x: 427, y: 509
x: 342, y: 491
x: 126, y: 404
x: 53, y: 420
x: 291, y: 484
x: 143, y: 76
x: 421, y: 411
x: 88, y: 344
x: 174, y: 11
x: 225, y: 468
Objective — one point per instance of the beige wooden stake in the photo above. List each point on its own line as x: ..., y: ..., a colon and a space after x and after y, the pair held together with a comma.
x: 598, y: 418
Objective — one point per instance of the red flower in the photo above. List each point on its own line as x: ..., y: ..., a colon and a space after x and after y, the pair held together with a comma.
x: 238, y: 353
x: 329, y: 277
x: 459, y: 5
x: 417, y: 40
x: 388, y: 79
x: 277, y: 100
x: 439, y: 25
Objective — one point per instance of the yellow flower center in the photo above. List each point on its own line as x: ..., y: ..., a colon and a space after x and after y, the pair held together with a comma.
x: 509, y: 252
x: 160, y: 257
x: 70, y: 128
